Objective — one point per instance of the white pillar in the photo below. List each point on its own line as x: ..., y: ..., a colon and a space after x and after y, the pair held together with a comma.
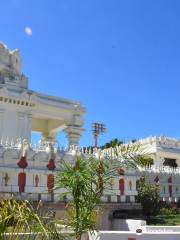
x: 20, y: 125
x: 1, y: 122
x: 73, y: 134
x: 28, y: 126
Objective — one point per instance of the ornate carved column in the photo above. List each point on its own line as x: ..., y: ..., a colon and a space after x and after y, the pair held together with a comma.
x: 73, y: 134
x: 74, y: 126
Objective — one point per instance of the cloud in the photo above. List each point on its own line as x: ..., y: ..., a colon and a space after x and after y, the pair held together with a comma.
x: 28, y: 31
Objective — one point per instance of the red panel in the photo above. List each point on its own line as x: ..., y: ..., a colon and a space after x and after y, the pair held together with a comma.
x: 21, y: 181
x: 131, y: 238
x: 121, y: 186
x: 50, y: 182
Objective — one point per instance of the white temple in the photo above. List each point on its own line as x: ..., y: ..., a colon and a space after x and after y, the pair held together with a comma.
x: 23, y: 111
x: 25, y: 171
x: 28, y: 172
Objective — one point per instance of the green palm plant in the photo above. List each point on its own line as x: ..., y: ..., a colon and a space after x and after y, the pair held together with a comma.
x: 87, y: 179
x: 128, y: 156
x: 21, y: 219
x: 84, y: 181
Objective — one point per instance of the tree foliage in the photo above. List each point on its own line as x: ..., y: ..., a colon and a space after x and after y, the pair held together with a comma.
x: 113, y: 143
x: 148, y: 196
x: 128, y: 156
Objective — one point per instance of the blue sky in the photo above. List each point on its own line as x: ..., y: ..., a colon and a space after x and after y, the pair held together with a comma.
x: 121, y: 59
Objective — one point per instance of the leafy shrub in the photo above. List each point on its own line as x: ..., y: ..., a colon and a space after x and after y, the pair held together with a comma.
x: 148, y: 196
x: 21, y: 217
x: 168, y: 211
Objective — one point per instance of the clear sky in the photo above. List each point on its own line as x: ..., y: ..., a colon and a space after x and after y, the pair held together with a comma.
x: 121, y: 59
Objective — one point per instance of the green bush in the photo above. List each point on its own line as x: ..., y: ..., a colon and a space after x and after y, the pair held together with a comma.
x: 148, y: 196
x: 167, y: 211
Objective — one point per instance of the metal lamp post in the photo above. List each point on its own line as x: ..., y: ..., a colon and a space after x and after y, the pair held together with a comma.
x: 97, y: 128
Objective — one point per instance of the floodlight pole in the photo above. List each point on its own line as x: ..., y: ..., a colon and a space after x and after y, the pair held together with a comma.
x: 97, y: 128
x: 95, y: 140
